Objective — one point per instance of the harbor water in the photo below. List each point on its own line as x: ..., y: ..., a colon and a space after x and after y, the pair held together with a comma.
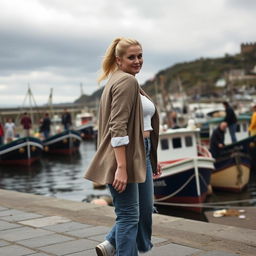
x: 62, y: 177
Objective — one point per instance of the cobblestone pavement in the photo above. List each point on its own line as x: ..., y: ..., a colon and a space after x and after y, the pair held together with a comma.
x: 27, y: 233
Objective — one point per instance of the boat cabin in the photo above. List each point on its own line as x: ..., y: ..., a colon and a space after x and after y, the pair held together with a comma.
x: 84, y: 118
x: 177, y: 144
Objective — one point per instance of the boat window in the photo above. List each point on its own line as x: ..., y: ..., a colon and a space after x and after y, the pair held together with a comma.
x: 176, y: 142
x: 238, y: 128
x: 245, y: 127
x: 164, y: 144
x: 188, y: 141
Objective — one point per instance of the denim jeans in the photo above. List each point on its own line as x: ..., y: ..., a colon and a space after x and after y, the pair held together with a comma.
x: 232, y: 131
x: 133, y: 207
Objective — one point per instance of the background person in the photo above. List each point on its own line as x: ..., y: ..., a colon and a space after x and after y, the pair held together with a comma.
x: 128, y: 126
x: 217, y: 139
x: 252, y: 127
x: 1, y: 134
x: 66, y: 119
x: 26, y: 124
x: 9, y: 128
x: 45, y: 127
x: 231, y: 120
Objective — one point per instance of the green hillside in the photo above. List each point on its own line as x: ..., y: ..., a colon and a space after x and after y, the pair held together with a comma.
x: 200, y: 76
x: 196, y: 77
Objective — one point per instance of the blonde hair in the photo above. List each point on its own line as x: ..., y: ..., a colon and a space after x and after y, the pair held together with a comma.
x: 117, y: 48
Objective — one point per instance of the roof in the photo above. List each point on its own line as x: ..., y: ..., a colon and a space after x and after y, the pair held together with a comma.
x: 220, y: 119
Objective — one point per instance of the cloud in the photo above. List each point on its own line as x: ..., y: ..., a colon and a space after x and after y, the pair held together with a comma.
x: 59, y: 43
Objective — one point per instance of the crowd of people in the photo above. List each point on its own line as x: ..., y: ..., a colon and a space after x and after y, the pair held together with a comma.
x: 8, y: 129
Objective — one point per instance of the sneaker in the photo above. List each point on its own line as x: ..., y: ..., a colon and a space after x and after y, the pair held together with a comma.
x: 105, y: 249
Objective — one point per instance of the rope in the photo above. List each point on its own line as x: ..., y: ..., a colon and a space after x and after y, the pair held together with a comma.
x: 239, y: 168
x: 208, y: 205
x: 177, y: 191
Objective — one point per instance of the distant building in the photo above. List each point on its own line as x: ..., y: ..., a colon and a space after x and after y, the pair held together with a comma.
x: 248, y: 48
x: 236, y: 74
x: 220, y: 83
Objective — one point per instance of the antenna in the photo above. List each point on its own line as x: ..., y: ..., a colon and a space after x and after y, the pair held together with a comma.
x: 81, y: 89
x: 50, y: 102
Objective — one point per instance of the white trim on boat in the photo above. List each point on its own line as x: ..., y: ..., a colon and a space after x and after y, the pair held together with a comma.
x: 185, y: 164
x: 26, y: 143
x: 70, y: 135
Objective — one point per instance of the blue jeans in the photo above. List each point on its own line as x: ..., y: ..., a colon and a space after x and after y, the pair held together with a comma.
x: 232, y: 131
x: 133, y: 207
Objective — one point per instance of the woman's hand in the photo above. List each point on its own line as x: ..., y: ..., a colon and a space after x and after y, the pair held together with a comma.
x: 120, y: 180
x: 158, y: 172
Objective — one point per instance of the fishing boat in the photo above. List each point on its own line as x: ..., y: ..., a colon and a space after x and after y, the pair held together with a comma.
x: 63, y: 143
x: 85, y: 125
x: 187, y: 167
x: 232, y: 171
x: 233, y: 166
x: 22, y: 151
x: 243, y: 122
x: 86, y: 131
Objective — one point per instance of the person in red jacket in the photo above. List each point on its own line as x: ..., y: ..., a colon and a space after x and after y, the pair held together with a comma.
x: 26, y: 123
x: 1, y: 134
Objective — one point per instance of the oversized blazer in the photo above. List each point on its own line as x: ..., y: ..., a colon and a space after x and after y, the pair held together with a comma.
x: 121, y: 115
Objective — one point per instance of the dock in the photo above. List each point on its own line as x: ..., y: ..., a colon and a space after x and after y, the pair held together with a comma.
x: 37, y: 225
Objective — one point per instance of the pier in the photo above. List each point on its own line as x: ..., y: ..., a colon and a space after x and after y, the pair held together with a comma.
x: 44, y: 226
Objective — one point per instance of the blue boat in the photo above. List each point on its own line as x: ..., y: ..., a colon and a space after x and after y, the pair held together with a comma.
x: 22, y: 151
x: 187, y: 168
x: 63, y: 143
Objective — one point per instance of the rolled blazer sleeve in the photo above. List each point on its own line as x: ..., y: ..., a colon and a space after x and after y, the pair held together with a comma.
x: 124, y: 93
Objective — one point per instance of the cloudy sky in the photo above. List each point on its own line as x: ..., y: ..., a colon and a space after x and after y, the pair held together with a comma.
x: 59, y: 44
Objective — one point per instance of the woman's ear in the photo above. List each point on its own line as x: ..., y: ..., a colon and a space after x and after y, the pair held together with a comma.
x: 118, y: 61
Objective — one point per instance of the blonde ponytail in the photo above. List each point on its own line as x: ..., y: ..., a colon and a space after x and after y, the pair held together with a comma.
x: 116, y: 48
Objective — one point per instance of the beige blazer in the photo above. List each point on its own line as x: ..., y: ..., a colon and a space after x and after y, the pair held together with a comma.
x: 121, y: 114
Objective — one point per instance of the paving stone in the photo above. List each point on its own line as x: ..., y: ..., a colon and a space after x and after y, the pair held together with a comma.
x: 46, y: 221
x: 88, y: 232
x: 247, y: 236
x: 3, y: 243
x: 19, y: 217
x: 69, y: 247
x: 18, y: 234
x: 41, y: 254
x: 6, y: 225
x: 157, y: 240
x: 45, y: 240
x: 218, y: 253
x: 99, y: 238
x: 15, y: 250
x: 83, y: 253
x: 3, y: 208
x: 10, y: 212
x: 174, y: 249
x: 65, y: 227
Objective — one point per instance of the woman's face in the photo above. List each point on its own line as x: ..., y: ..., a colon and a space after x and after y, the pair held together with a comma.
x: 131, y: 62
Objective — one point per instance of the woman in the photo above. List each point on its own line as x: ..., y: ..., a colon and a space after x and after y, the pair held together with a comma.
x: 126, y: 155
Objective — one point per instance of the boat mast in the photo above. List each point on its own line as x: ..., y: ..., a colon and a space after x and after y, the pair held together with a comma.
x: 31, y: 101
x: 50, y: 103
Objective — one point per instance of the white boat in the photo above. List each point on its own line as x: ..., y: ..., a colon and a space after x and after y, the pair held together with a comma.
x: 85, y: 125
x: 187, y: 168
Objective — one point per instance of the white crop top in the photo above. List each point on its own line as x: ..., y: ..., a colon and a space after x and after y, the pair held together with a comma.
x: 148, y: 112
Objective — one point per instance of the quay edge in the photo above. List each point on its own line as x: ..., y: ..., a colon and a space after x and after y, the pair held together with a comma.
x: 201, y: 235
